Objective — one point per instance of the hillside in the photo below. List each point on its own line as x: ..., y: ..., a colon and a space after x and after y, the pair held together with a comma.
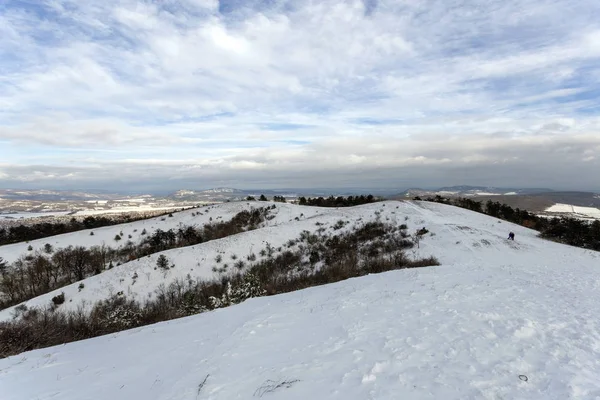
x: 456, y: 235
x: 106, y: 235
x: 542, y: 201
x: 498, y: 319
x: 140, y: 278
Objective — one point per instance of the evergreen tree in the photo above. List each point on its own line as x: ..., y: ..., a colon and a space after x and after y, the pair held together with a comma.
x: 3, y: 266
x: 162, y: 262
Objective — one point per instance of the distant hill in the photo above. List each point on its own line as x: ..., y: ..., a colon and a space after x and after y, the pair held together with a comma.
x: 532, y: 199
x: 464, y: 190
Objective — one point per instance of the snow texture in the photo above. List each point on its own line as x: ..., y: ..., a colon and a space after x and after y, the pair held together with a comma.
x: 575, y: 211
x: 497, y: 320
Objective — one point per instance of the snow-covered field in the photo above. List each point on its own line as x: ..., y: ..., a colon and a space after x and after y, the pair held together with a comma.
x: 497, y: 320
x: 575, y: 211
x: 106, y: 235
x: 29, y: 215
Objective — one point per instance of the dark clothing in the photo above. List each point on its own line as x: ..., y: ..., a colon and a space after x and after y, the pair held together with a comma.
x: 511, y: 236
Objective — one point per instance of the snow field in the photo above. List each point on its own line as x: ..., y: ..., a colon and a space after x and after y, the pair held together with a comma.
x: 576, y: 211
x: 448, y: 332
x: 106, y: 235
x: 497, y: 320
x: 198, y: 261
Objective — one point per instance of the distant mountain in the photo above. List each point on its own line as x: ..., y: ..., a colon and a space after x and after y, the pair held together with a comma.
x: 464, y: 191
x: 214, y: 194
x: 56, y: 195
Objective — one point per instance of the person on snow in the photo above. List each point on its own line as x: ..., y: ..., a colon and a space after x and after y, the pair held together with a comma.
x: 511, y: 236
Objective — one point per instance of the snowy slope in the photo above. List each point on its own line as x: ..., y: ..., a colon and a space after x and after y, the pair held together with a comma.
x: 457, y: 236
x: 459, y: 331
x: 198, y: 261
x: 106, y: 235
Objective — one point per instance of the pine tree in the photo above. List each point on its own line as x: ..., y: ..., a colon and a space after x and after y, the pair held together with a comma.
x: 3, y: 266
x: 162, y: 262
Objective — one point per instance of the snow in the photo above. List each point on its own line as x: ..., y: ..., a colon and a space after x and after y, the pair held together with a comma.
x: 494, y: 310
x: 458, y: 235
x: 125, y: 209
x: 27, y: 215
x: 577, y: 211
x: 106, y: 235
x: 197, y: 261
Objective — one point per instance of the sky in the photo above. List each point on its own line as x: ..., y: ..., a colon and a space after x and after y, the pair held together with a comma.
x: 165, y: 94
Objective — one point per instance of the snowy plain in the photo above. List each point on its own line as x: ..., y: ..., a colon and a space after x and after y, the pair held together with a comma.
x: 497, y: 320
x: 575, y: 211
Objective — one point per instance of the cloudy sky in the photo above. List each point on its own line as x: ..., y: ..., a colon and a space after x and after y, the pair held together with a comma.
x: 170, y: 94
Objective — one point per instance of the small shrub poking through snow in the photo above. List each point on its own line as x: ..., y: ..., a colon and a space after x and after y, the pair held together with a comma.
x: 162, y: 262
x: 58, y: 299
x: 48, y: 248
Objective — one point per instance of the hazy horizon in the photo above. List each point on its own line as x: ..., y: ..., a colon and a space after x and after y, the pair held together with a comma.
x: 144, y: 96
x: 297, y: 190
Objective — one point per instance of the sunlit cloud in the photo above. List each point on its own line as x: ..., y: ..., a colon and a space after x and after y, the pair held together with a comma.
x: 281, y: 94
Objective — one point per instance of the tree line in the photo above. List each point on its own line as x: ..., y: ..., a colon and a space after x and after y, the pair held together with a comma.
x: 44, y: 271
x: 339, y: 201
x: 25, y: 233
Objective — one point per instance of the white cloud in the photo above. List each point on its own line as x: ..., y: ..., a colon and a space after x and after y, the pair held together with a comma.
x: 291, y: 88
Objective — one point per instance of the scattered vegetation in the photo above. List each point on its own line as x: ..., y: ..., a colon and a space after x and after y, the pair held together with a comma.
x: 316, y: 260
x: 39, y: 273
x: 24, y: 233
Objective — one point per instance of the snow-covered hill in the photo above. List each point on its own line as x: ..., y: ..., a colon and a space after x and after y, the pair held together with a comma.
x: 470, y: 330
x: 140, y: 278
x: 498, y: 319
x: 106, y: 235
x: 457, y: 235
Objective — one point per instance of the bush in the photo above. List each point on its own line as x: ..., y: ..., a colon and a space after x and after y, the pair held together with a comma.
x: 162, y: 262
x: 58, y: 299
x: 48, y: 248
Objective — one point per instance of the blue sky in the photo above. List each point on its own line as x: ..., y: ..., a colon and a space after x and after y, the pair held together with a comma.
x: 201, y: 93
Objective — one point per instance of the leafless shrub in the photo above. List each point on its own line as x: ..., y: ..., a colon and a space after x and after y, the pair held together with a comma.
x: 270, y: 386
